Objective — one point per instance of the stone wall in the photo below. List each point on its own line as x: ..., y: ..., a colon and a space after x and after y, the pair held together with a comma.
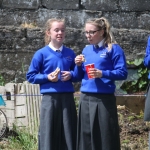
x: 22, y: 21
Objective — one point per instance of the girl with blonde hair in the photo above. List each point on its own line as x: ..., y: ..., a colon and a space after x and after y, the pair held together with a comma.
x: 51, y: 67
x: 98, y: 127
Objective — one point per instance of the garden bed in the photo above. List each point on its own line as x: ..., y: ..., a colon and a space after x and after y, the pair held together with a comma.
x: 134, y: 131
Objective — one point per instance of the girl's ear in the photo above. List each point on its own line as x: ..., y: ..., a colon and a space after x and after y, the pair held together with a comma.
x: 48, y: 33
x: 102, y: 32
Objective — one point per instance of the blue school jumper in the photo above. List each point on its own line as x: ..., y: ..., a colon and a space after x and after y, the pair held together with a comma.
x: 58, y: 113
x: 98, y: 122
x: 147, y: 98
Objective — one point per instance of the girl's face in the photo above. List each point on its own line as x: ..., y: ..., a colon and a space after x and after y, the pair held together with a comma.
x: 93, y: 34
x: 57, y: 33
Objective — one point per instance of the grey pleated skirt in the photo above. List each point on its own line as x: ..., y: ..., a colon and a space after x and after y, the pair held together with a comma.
x: 98, y: 127
x: 58, y: 122
x: 147, y: 105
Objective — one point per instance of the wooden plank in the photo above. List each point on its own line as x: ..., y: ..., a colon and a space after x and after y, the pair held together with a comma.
x: 31, y: 109
x: 5, y: 110
x: 20, y: 99
x: 10, y: 113
x: 10, y: 89
x: 18, y: 87
x: 22, y: 89
x: 20, y: 111
x: 25, y: 97
x: 11, y: 122
x: 28, y: 106
x: 3, y: 92
x: 10, y: 116
x: 38, y: 101
x: 10, y: 104
x: 39, y: 97
x: 21, y: 122
x: 2, y: 107
x: 31, y: 106
x: 20, y: 95
x: 35, y: 106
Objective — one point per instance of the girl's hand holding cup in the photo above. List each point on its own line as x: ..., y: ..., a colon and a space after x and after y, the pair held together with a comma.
x: 92, y: 72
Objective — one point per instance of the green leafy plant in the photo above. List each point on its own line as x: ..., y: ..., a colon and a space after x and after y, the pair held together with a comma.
x: 2, y: 81
x: 138, y: 80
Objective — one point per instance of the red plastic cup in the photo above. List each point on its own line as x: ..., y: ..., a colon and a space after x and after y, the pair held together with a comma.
x: 87, y: 69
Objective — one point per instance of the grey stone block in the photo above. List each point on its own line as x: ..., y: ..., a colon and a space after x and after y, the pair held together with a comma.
x: 75, y: 19
x: 122, y: 19
x: 61, y: 4
x: 132, y: 41
x: 22, y: 4
x: 102, y: 5
x: 134, y: 5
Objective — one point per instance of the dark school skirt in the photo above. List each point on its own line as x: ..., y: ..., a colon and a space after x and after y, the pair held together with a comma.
x: 147, y: 105
x: 98, y: 127
x: 58, y: 122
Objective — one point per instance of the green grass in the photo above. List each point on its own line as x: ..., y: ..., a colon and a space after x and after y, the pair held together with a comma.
x: 23, y: 141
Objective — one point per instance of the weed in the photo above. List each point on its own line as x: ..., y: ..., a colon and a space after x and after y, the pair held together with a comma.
x: 29, y: 25
x: 2, y: 81
x: 131, y: 118
x: 23, y: 140
x: 76, y: 103
x: 121, y: 118
x: 126, y: 141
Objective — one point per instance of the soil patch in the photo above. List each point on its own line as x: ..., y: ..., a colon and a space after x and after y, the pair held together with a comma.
x: 133, y: 130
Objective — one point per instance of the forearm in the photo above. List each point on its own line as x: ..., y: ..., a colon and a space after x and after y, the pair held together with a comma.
x: 37, y: 78
x: 77, y: 74
x: 115, y: 74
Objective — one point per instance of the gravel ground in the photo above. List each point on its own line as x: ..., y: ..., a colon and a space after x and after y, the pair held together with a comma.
x: 133, y: 130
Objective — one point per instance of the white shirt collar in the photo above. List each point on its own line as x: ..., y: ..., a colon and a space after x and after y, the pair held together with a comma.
x: 53, y: 48
x: 100, y: 44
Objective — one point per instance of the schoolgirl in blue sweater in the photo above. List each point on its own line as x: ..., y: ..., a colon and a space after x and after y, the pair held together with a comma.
x: 98, y: 121
x: 58, y: 113
x: 147, y: 65
x: 147, y: 56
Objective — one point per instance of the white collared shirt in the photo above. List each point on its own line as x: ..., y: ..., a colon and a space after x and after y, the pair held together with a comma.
x: 53, y: 48
x: 100, y: 44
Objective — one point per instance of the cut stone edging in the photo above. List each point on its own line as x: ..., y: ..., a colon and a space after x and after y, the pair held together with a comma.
x: 135, y: 103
